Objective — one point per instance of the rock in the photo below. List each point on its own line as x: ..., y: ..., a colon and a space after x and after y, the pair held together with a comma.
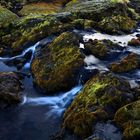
x: 10, y: 89
x: 19, y: 6
x: 100, y: 48
x: 41, y: 8
x: 56, y: 67
x: 99, y: 99
x: 134, y: 42
x: 126, y: 64
x: 117, y: 24
x: 13, y: 5
x: 136, y: 5
x: 137, y: 35
x: 83, y: 15
x: 128, y: 117
x: 113, y: 17
x: 30, y: 29
x: 6, y: 17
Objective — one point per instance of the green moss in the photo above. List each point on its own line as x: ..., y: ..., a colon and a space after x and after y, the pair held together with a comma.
x: 6, y: 17
x: 120, y: 1
x: 127, y: 64
x: 100, y: 98
x: 116, y: 24
x: 33, y: 28
x: 105, y: 15
x: 128, y: 117
x: 40, y: 8
x: 97, y: 48
x: 60, y: 63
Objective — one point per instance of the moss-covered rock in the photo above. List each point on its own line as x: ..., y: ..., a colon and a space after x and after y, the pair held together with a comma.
x: 23, y: 5
x: 135, y: 4
x: 134, y: 42
x: 128, y: 117
x: 100, y: 97
x: 111, y: 16
x: 100, y: 48
x: 117, y: 24
x: 56, y: 67
x: 84, y: 14
x: 30, y: 29
x: 6, y: 17
x: 13, y: 5
x: 10, y: 89
x: 126, y: 64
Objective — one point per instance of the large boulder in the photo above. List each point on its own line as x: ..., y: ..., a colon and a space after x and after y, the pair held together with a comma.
x: 128, y: 117
x: 17, y: 5
x: 10, y: 89
x: 111, y: 16
x: 30, y: 29
x: 56, y: 67
x: 99, y: 99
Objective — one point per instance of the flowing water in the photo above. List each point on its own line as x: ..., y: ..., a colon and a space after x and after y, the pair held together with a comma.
x: 39, y: 116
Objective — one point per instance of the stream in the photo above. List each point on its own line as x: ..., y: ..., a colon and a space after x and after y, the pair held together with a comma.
x: 39, y: 117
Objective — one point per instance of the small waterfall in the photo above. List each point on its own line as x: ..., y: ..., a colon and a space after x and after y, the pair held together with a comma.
x: 30, y: 49
x: 94, y: 63
x: 57, y: 104
x: 122, y: 40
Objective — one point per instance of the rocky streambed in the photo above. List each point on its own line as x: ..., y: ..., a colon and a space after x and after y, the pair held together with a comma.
x: 72, y: 73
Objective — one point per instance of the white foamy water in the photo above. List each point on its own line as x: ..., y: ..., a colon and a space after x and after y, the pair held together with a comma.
x: 30, y: 49
x: 135, y: 50
x: 81, y: 46
x: 120, y: 39
x: 94, y: 63
x: 57, y: 104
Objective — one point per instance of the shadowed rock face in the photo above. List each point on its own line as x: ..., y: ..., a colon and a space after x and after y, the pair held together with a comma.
x: 56, y: 67
x: 10, y: 89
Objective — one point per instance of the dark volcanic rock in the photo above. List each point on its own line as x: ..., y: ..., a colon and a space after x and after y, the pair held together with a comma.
x: 10, y: 89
